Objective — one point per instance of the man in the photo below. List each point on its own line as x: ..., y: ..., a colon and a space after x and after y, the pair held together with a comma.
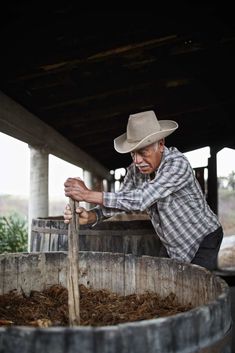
x: 161, y: 182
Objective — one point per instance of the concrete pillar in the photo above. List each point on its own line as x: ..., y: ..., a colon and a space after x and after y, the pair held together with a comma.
x: 88, y: 180
x: 94, y: 183
x: 38, y: 199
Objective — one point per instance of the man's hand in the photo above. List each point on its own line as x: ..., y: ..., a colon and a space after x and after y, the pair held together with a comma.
x: 83, y: 215
x: 77, y: 190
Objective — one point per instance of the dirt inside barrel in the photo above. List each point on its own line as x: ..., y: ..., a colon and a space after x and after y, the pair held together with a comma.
x: 97, y: 307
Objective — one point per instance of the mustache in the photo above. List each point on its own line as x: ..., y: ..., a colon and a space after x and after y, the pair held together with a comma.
x: 141, y: 165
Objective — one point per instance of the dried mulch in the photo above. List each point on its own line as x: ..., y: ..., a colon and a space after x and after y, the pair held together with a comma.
x: 97, y: 307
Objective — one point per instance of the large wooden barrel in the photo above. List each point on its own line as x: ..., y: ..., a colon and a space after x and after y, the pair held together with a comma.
x: 136, y: 237
x: 205, y: 328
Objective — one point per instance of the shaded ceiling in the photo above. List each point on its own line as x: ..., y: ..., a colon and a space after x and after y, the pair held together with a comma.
x: 84, y: 73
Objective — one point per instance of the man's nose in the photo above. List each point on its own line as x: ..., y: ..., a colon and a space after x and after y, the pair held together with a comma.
x: 137, y: 158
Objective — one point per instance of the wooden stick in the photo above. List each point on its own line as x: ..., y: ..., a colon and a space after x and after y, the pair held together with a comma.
x: 73, y: 267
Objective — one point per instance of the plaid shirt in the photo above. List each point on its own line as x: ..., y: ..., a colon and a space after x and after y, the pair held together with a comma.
x: 174, y: 201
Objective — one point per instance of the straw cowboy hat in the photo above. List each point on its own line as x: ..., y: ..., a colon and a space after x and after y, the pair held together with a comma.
x: 143, y: 129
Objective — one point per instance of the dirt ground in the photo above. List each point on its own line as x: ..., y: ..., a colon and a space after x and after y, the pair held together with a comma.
x: 97, y: 307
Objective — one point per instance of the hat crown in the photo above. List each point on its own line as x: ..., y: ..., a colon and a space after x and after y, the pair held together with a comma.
x: 143, y: 129
x: 141, y: 125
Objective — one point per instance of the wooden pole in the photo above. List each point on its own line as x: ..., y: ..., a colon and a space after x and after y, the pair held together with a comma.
x: 73, y: 267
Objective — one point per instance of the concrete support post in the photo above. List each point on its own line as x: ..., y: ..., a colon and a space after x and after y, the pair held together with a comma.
x: 88, y: 180
x: 38, y: 200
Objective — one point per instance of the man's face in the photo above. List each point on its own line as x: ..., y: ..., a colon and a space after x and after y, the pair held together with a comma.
x: 148, y: 159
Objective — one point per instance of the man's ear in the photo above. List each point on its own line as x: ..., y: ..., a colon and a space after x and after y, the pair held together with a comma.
x: 161, y: 144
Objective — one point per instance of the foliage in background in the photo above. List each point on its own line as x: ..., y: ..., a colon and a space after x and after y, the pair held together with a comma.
x: 13, y: 234
x: 231, y: 180
x: 226, y: 206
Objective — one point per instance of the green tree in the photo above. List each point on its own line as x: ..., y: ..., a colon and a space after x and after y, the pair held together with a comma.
x: 13, y: 234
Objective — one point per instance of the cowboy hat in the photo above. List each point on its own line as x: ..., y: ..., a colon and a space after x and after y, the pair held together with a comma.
x: 143, y: 129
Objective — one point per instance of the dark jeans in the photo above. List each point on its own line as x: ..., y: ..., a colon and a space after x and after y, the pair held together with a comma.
x: 207, y: 254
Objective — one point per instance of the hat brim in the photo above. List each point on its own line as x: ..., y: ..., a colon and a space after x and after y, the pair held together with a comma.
x: 122, y: 145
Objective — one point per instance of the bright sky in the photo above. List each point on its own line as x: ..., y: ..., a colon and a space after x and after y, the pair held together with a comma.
x: 15, y: 169
x: 15, y: 160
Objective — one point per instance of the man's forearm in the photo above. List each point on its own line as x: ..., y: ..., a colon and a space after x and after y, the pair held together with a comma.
x: 95, y: 197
